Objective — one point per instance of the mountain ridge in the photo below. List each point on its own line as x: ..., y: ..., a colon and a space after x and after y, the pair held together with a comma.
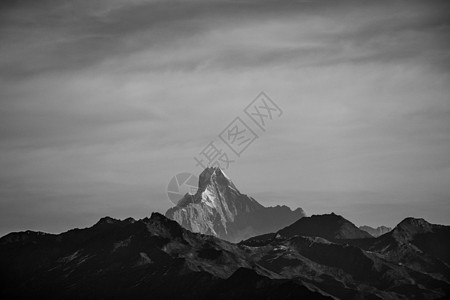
x: 156, y: 256
x: 331, y: 227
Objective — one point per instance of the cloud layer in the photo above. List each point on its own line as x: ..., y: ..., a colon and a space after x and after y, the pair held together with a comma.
x: 102, y: 102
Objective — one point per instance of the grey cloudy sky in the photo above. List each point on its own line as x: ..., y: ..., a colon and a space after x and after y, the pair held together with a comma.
x: 102, y: 102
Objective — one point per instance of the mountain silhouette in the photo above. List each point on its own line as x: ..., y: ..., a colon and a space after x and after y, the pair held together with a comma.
x: 156, y: 257
x: 331, y: 227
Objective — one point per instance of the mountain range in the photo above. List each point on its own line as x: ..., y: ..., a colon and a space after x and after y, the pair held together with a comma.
x: 156, y: 256
x: 316, y: 257
x: 127, y: 259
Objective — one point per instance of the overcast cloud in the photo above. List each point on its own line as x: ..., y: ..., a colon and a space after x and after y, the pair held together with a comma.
x: 102, y: 102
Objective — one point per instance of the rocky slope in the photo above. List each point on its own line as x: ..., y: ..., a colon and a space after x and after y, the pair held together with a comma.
x: 344, y: 271
x: 417, y: 244
x: 218, y: 208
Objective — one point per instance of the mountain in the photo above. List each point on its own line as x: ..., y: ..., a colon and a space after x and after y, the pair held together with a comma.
x: 153, y: 257
x: 375, y: 232
x: 156, y: 258
x: 345, y: 271
x: 329, y: 226
x: 417, y: 244
x: 431, y: 239
x: 218, y: 208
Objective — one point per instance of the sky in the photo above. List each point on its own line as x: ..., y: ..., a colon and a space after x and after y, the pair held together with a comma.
x: 103, y: 102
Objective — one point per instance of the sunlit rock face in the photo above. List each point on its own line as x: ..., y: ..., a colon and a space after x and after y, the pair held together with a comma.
x: 218, y: 208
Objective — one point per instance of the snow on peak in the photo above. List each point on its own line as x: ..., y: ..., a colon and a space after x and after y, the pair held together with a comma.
x: 209, y: 198
x: 219, y: 171
x: 215, y: 176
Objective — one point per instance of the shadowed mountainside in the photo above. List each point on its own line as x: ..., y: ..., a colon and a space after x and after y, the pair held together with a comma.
x: 331, y: 227
x: 123, y: 259
x: 156, y: 256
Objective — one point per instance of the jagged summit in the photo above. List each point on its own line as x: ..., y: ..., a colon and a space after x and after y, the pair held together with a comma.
x: 211, y: 180
x: 109, y: 220
x: 214, y: 174
x: 218, y: 208
x: 218, y: 188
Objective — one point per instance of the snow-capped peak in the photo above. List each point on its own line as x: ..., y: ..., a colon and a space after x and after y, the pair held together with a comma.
x: 216, y: 177
x: 218, y: 208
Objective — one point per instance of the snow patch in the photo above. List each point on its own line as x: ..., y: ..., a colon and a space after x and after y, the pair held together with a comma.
x: 208, y: 198
x: 225, y: 175
x: 69, y: 258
